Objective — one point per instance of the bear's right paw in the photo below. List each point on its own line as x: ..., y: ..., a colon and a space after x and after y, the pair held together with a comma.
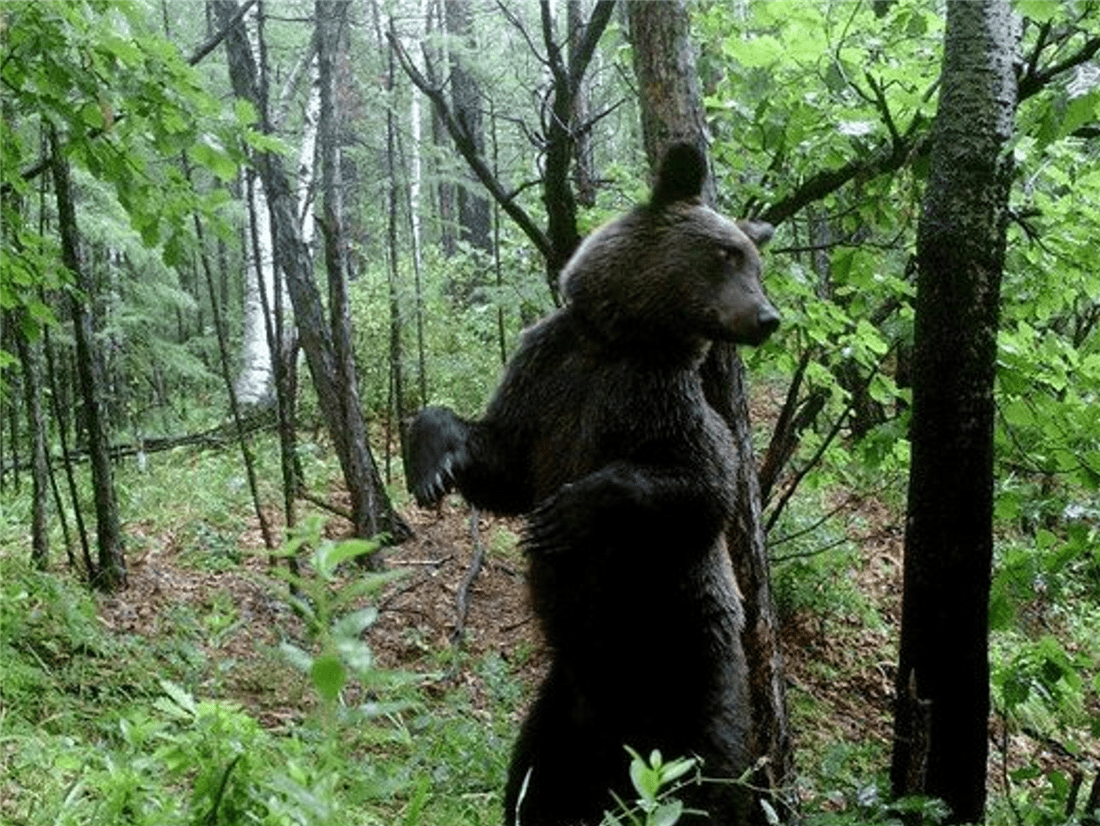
x: 436, y: 450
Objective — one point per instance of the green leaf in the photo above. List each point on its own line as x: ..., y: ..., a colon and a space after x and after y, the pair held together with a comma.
x: 355, y: 623
x: 328, y: 676
x: 667, y: 813
x: 1038, y: 10
x: 760, y: 51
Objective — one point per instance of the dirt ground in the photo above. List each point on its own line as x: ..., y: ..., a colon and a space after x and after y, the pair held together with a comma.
x: 841, y: 664
x: 419, y: 612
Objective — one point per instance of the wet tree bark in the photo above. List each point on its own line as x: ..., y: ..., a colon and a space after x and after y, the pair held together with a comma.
x: 672, y: 110
x: 942, y: 706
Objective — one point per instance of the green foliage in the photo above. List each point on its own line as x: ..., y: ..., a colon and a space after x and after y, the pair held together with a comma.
x: 656, y: 783
x: 335, y: 618
x: 464, y: 314
x: 847, y: 785
x: 58, y: 658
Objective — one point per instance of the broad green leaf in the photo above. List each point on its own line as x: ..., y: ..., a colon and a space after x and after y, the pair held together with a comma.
x: 328, y: 676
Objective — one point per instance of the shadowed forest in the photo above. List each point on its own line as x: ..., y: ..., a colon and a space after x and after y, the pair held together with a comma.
x: 244, y: 241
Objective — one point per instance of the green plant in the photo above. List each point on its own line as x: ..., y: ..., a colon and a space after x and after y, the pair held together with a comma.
x: 656, y: 783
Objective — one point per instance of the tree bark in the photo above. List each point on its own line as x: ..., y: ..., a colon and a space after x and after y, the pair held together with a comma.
x: 942, y: 706
x: 36, y: 426
x: 372, y: 511
x: 110, y: 572
x: 672, y: 110
x: 664, y: 63
x: 473, y: 207
x: 584, y: 171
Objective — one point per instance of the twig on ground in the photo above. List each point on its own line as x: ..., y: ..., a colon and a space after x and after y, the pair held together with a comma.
x: 462, y: 598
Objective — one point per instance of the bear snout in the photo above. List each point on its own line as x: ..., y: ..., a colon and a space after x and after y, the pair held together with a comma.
x: 767, y: 322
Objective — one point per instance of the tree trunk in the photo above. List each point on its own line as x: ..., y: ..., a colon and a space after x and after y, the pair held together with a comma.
x: 254, y: 382
x: 265, y: 294
x: 443, y: 189
x: 36, y: 426
x: 584, y: 172
x: 110, y: 572
x: 397, y: 358
x: 369, y: 501
x: 473, y: 207
x: 373, y: 513
x: 672, y: 110
x: 664, y: 64
x: 942, y: 707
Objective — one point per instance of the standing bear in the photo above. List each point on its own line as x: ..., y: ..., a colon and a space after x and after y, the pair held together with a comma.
x: 600, y: 433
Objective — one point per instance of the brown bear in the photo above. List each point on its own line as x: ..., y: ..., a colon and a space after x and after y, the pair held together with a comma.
x: 600, y: 433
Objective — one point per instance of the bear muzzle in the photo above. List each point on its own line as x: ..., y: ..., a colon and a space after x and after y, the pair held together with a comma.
x: 767, y: 322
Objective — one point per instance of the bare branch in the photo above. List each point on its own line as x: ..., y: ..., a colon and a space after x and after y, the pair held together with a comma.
x: 467, y: 149
x: 213, y: 43
x: 1035, y: 80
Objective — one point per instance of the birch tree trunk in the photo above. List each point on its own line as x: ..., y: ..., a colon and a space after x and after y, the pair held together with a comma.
x: 265, y: 293
x: 942, y: 707
x: 254, y: 382
x: 672, y: 110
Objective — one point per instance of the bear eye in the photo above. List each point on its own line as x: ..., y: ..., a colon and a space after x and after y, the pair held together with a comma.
x: 731, y: 254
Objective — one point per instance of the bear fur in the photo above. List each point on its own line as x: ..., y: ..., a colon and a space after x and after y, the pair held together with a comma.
x: 600, y: 433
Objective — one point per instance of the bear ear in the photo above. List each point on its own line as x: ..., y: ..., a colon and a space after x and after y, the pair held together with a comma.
x: 759, y: 232
x: 680, y: 176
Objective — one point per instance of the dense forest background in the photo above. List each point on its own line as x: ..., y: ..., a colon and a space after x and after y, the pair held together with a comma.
x: 243, y: 242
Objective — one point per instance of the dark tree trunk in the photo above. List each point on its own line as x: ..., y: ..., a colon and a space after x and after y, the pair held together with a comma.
x: 560, y: 127
x: 561, y: 237
x: 941, y: 722
x: 473, y: 207
x: 397, y: 375
x: 372, y: 511
x: 58, y: 405
x: 672, y: 110
x: 110, y: 572
x: 36, y: 426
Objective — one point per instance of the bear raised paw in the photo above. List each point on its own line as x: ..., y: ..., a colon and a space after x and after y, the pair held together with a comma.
x: 600, y: 433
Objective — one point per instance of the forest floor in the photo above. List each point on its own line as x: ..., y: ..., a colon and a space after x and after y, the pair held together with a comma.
x: 838, y: 666
x: 839, y: 657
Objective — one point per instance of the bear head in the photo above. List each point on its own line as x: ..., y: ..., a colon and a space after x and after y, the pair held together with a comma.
x: 673, y: 272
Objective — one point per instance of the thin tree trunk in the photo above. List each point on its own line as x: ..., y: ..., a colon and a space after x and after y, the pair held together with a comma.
x: 473, y: 207
x: 942, y: 707
x: 444, y: 189
x: 672, y: 110
x: 414, y: 163
x: 36, y: 428
x: 397, y: 375
x: 234, y: 405
x: 70, y: 479
x: 110, y: 571
x: 284, y: 387
x: 584, y: 174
